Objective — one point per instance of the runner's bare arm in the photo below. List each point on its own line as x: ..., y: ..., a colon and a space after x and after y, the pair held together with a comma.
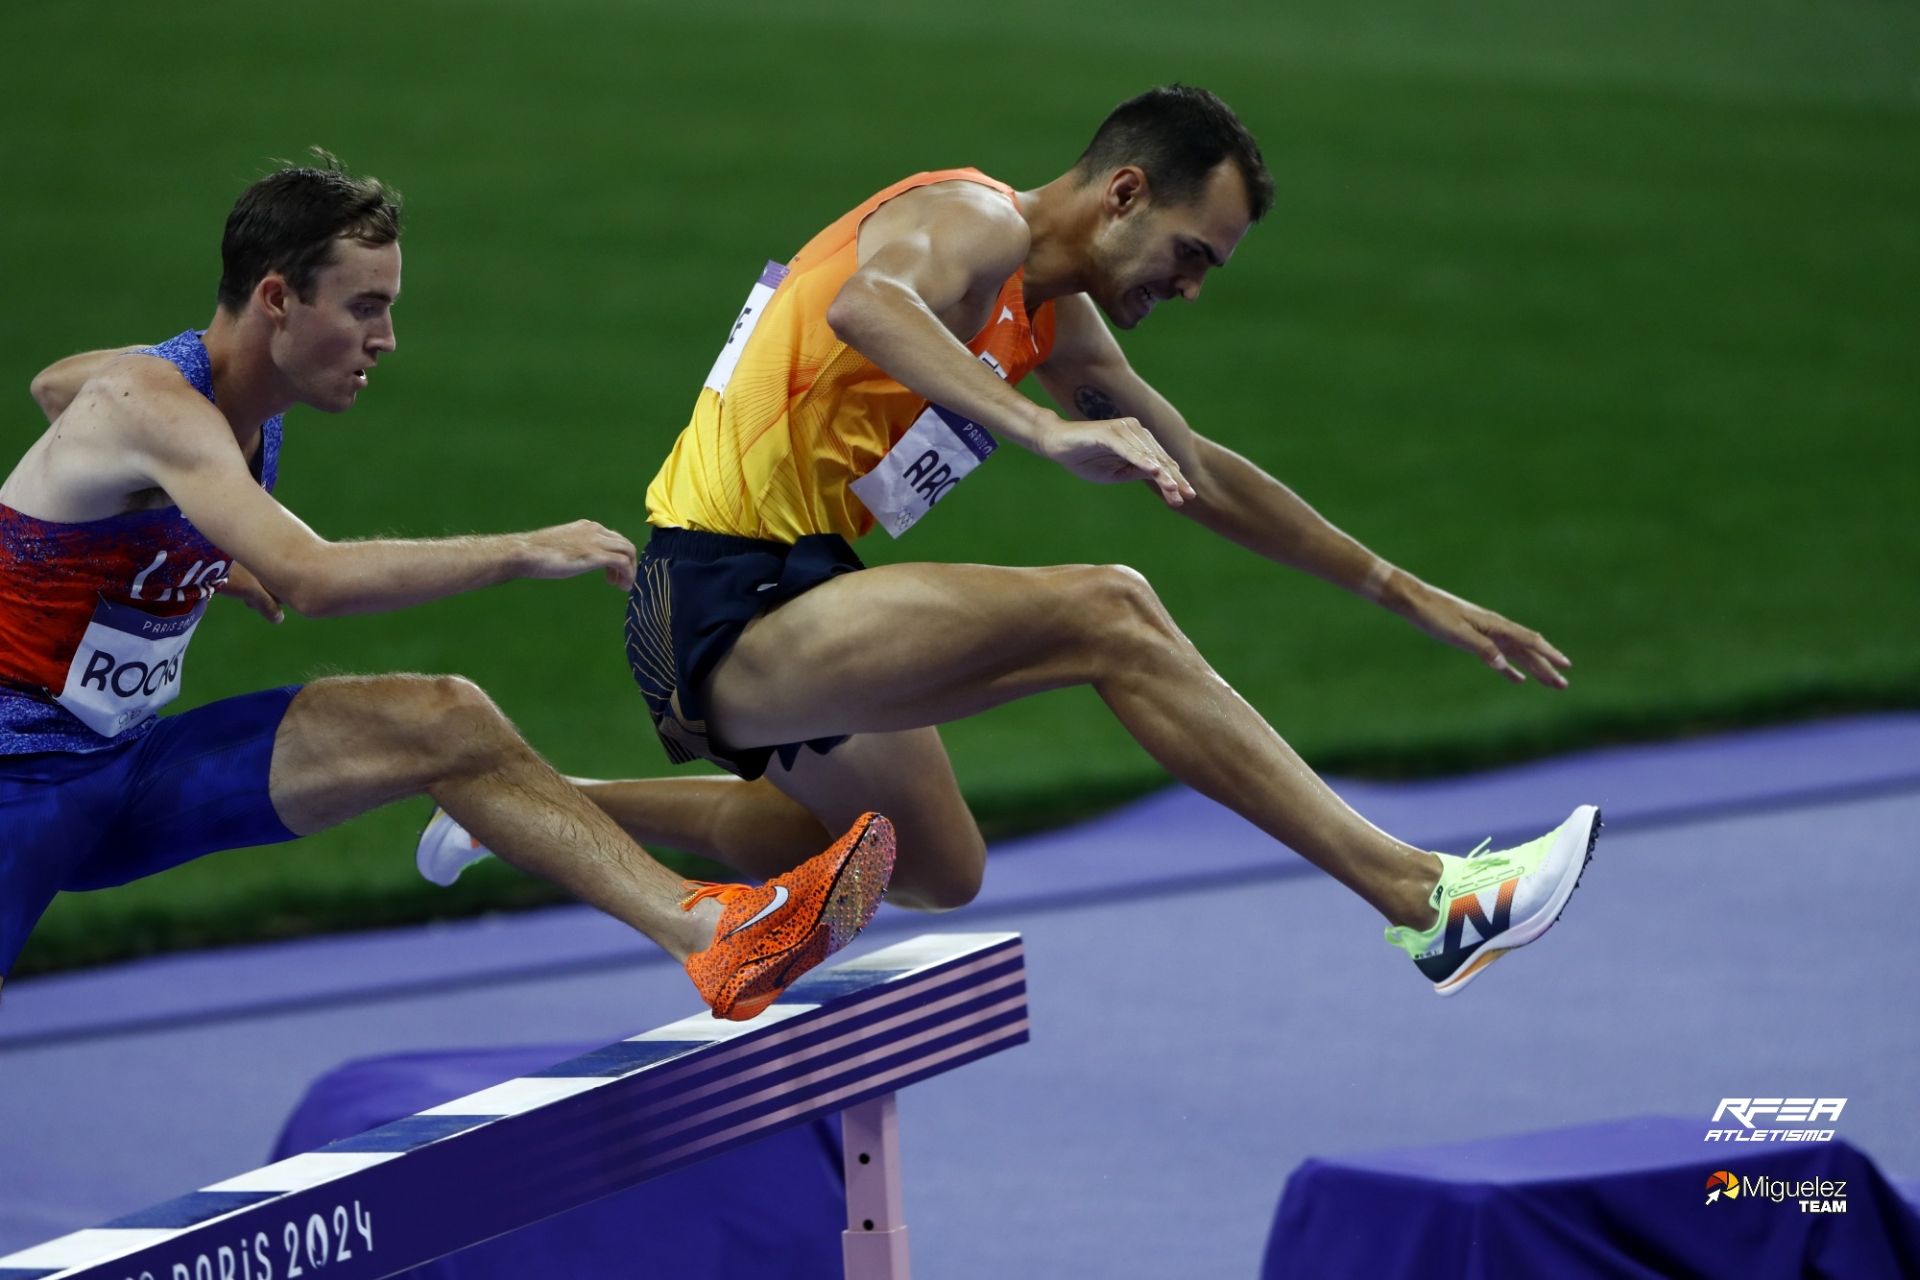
x: 55, y: 386
x: 1088, y: 375
x: 935, y: 252
x: 181, y: 444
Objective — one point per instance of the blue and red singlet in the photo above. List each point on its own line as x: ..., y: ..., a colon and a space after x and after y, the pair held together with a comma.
x: 95, y: 617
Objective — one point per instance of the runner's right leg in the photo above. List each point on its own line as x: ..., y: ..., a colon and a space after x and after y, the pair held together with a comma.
x: 350, y: 744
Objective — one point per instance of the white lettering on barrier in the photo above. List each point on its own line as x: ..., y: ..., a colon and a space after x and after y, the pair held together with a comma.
x: 339, y: 1234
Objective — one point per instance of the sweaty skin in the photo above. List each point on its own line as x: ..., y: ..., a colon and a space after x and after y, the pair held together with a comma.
x: 127, y: 433
x: 136, y: 436
x: 885, y: 654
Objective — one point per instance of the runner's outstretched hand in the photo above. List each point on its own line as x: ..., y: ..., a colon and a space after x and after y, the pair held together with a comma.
x: 1507, y: 647
x: 568, y: 550
x: 1111, y: 450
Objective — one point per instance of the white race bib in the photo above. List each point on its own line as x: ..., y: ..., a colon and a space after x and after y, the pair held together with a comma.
x: 127, y: 666
x: 938, y: 451
x: 770, y: 277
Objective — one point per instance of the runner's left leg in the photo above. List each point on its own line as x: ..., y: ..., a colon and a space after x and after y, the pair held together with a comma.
x: 749, y: 826
x: 904, y: 646
x: 907, y: 776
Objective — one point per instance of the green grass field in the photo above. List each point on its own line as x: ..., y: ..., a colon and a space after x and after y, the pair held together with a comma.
x: 1592, y: 313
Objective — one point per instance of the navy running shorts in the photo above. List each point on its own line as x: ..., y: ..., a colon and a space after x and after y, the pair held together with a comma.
x: 193, y: 785
x: 692, y: 597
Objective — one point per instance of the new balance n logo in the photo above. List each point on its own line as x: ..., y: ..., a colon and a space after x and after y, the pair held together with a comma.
x: 1465, y: 910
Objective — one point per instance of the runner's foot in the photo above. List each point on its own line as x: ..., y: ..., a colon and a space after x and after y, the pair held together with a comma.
x: 1488, y: 903
x: 771, y: 934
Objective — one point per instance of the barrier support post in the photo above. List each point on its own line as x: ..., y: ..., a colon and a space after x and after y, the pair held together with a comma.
x: 874, y: 1245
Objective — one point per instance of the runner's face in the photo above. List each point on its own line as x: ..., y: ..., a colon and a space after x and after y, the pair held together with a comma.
x: 331, y: 342
x: 1146, y: 253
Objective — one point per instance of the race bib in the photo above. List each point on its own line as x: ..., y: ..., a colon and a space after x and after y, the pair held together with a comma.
x: 743, y: 325
x: 127, y: 666
x: 938, y: 451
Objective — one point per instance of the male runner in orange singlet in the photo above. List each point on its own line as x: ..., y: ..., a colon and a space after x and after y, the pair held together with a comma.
x: 873, y: 373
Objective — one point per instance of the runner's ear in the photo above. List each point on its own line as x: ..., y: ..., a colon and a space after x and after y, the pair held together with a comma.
x: 1125, y: 188
x: 273, y: 295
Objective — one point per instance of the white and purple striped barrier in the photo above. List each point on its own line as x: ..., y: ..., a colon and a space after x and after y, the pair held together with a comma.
x: 843, y: 1038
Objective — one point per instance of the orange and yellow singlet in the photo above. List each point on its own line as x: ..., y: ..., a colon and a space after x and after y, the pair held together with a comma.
x: 801, y: 417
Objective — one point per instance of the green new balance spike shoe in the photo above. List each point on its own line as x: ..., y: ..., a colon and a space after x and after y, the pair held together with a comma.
x: 1488, y: 903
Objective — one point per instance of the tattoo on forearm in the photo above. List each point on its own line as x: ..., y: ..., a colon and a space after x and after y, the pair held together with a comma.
x: 1094, y: 404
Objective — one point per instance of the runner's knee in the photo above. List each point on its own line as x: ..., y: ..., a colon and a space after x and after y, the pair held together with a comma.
x: 442, y: 726
x: 947, y: 879
x: 1119, y: 609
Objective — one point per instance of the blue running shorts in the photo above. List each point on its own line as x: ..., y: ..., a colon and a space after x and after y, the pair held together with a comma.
x: 195, y: 784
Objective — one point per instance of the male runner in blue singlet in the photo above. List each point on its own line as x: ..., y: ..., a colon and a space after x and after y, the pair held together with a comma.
x: 148, y: 492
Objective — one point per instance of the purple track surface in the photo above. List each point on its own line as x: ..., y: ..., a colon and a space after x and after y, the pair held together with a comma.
x: 1208, y: 1011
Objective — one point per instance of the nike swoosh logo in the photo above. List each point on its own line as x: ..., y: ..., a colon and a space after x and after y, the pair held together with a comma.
x: 766, y: 586
x: 779, y: 901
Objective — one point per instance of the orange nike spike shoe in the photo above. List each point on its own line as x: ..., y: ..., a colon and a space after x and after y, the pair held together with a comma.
x: 771, y: 934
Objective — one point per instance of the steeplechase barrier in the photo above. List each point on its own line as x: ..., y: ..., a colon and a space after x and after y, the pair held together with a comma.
x: 842, y: 1039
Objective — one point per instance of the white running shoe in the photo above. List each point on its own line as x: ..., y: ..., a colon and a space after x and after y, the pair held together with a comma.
x: 446, y: 849
x: 1489, y: 903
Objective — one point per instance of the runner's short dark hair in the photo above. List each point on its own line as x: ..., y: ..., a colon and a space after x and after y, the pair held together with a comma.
x: 287, y: 222
x: 1177, y: 135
